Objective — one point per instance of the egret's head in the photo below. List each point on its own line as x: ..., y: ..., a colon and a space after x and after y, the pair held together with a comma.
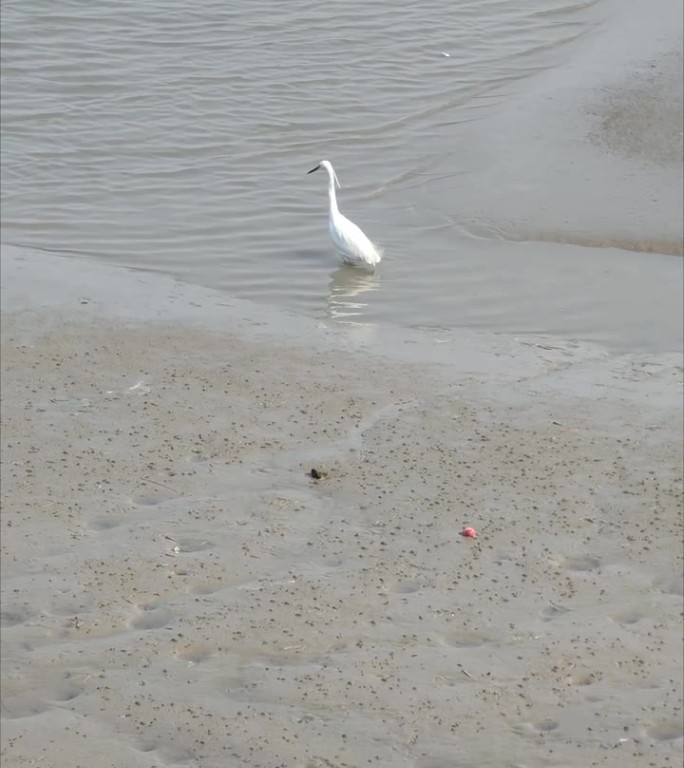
x: 327, y: 165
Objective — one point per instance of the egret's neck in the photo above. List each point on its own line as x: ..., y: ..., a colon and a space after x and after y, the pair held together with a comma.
x: 332, y: 198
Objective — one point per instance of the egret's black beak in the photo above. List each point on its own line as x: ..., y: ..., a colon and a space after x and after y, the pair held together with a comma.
x: 313, y: 169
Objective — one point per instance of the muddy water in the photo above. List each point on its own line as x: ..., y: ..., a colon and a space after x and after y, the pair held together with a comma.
x: 486, y: 145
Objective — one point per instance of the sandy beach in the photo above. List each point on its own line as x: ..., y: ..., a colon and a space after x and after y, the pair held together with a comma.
x: 177, y: 590
x: 232, y: 502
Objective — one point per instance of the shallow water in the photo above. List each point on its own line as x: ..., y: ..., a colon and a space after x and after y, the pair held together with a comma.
x: 177, y: 139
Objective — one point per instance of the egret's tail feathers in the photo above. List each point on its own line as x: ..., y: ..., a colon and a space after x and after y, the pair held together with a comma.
x: 376, y: 257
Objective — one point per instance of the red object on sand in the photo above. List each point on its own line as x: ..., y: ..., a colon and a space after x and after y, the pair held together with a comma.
x: 469, y: 533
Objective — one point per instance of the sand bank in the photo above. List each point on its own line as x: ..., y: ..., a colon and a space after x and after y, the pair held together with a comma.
x: 591, y: 153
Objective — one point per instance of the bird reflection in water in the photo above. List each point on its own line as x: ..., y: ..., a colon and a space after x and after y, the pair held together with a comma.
x: 345, y: 297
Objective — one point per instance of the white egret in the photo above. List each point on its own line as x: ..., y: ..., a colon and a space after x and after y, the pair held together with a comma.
x: 349, y: 241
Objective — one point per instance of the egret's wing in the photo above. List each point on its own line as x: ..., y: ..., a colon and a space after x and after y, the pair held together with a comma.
x: 351, y: 241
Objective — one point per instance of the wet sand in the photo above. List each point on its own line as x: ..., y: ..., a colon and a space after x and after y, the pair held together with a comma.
x: 591, y: 154
x: 178, y: 591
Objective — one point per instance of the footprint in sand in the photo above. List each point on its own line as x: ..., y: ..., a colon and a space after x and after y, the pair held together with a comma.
x: 18, y: 702
x: 104, y: 523
x: 466, y: 639
x: 194, y: 653
x: 205, y: 587
x: 67, y: 689
x: 553, y: 611
x: 531, y: 731
x: 665, y: 730
x: 12, y: 617
x: 581, y: 563
x: 151, y: 617
x: 153, y: 498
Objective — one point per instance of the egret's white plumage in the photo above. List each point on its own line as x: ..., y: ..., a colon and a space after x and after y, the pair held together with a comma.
x: 349, y: 241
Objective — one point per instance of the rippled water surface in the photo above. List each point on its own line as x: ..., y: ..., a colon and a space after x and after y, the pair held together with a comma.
x: 176, y: 137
